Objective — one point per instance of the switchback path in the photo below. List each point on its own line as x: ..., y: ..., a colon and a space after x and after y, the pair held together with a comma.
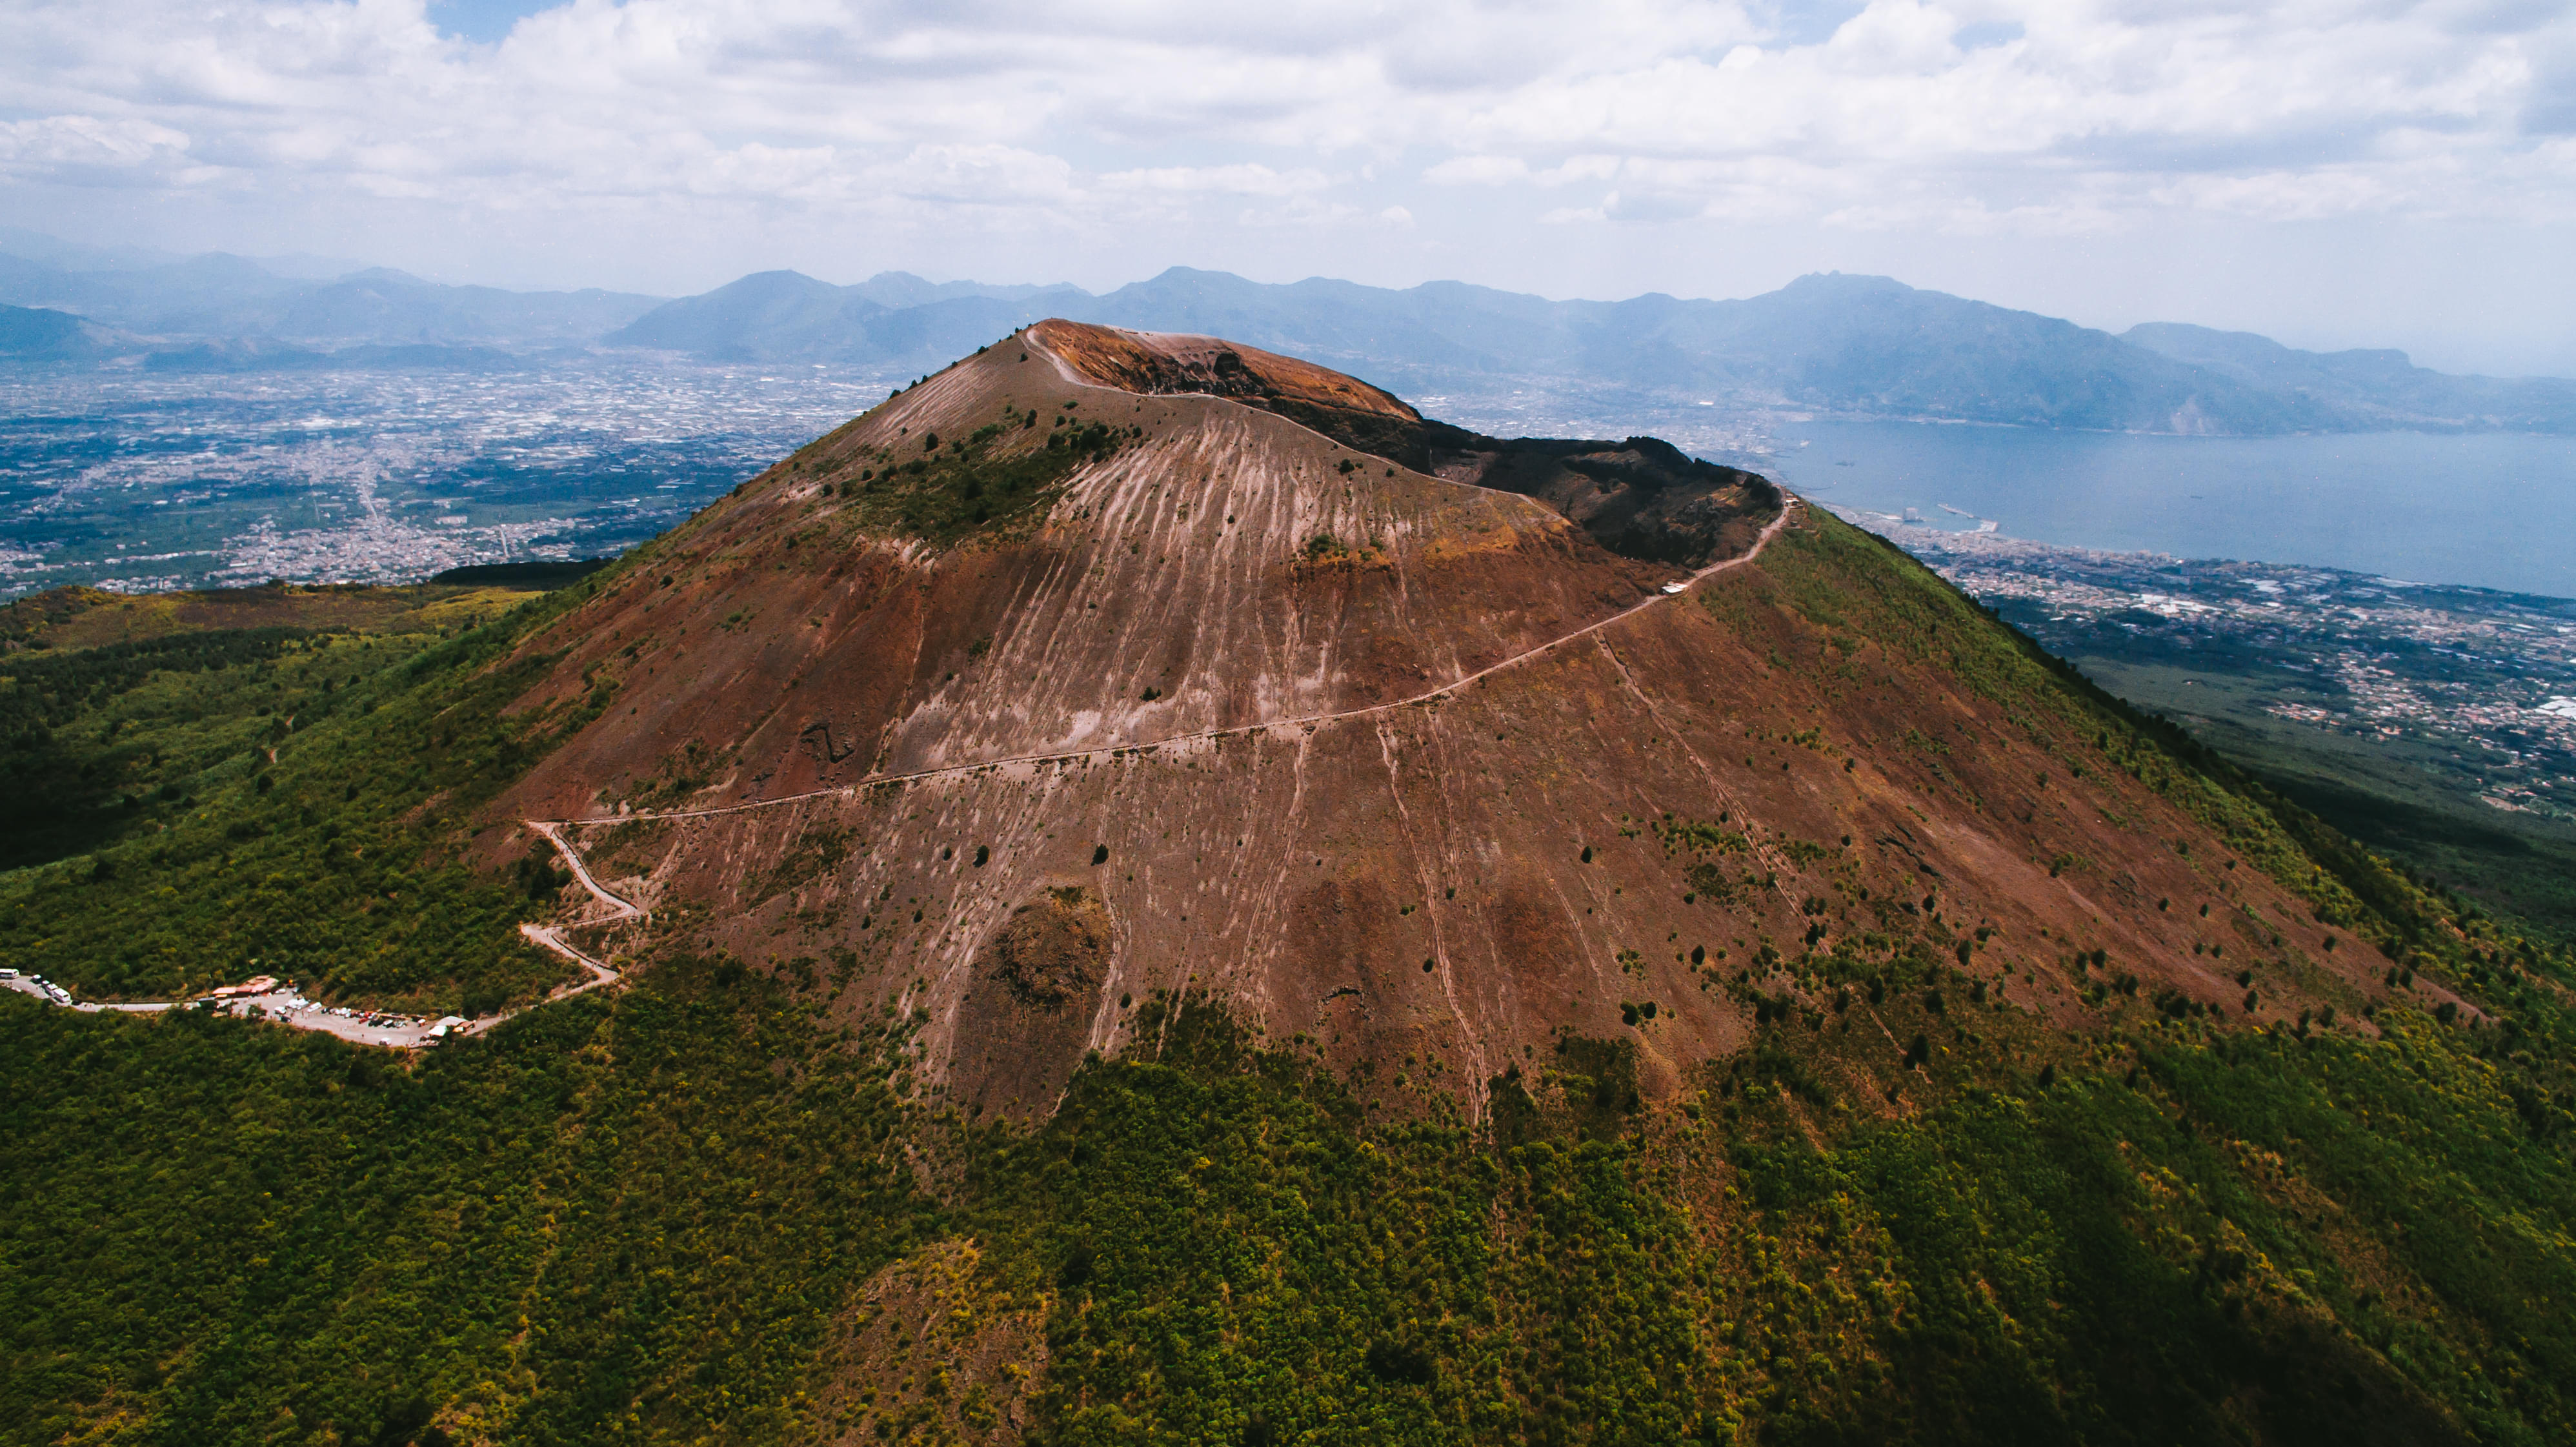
x: 291, y: 1010
x: 550, y: 937
x: 620, y: 908
x: 551, y: 828
x: 294, y: 1011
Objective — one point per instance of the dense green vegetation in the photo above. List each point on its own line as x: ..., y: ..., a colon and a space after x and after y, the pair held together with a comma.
x: 63, y: 794
x: 2393, y: 796
x: 634, y: 1219
x: 663, y: 1214
x: 2177, y: 1237
x: 1002, y: 473
x: 271, y: 801
x: 619, y: 1219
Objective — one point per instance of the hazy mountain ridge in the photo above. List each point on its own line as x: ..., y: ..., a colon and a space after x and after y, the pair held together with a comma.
x: 787, y: 316
x: 2380, y: 382
x: 1850, y: 346
x: 36, y: 334
x: 219, y: 298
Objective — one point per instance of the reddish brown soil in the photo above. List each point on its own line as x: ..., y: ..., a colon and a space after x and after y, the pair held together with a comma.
x: 1409, y: 887
x: 1157, y: 362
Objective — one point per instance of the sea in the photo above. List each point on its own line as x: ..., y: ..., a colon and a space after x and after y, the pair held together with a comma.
x: 2491, y: 510
x: 142, y: 482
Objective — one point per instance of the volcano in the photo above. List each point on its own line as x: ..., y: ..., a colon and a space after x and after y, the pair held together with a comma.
x: 1143, y: 890
x: 1108, y: 666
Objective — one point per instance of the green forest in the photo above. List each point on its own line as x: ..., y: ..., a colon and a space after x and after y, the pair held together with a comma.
x: 189, y: 811
x: 640, y: 1219
x: 706, y: 1208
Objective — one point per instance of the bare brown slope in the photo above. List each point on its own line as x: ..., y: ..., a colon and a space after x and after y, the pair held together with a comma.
x: 1435, y: 888
x: 1413, y: 887
x: 1168, y: 362
x: 1225, y: 568
x: 1641, y: 498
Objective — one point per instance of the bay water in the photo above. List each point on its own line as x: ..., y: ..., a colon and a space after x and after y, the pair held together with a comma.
x: 2493, y: 510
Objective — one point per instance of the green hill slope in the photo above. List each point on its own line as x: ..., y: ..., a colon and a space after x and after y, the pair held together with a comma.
x: 187, y: 806
x: 729, y: 1203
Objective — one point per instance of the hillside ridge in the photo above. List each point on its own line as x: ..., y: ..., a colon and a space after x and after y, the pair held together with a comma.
x: 1228, y: 631
x: 1669, y: 592
x: 1424, y: 982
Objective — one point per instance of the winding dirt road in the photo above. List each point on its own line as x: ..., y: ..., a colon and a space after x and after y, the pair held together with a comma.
x: 284, y: 1006
x: 551, y: 828
x: 551, y: 937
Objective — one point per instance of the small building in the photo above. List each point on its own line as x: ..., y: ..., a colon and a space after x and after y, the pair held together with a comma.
x: 255, y: 985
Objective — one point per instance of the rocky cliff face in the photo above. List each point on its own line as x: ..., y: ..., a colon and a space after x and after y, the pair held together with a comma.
x: 1103, y: 664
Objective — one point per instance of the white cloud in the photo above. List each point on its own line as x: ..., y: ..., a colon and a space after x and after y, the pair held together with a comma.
x: 1122, y: 125
x: 1241, y: 180
x: 1312, y: 212
x: 2075, y: 217
x: 979, y: 175
x: 1478, y: 171
x: 1503, y: 170
x: 2281, y: 195
x: 615, y: 93
x: 78, y: 144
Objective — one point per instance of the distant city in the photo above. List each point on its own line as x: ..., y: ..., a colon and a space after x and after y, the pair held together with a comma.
x: 143, y: 483
x: 212, y: 422
x: 2472, y: 689
x: 146, y: 481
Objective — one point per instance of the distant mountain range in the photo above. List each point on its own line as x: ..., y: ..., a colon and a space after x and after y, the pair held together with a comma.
x: 229, y: 298
x: 774, y: 316
x: 1854, y: 346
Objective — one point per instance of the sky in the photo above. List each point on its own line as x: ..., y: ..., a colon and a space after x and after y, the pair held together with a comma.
x: 2353, y: 173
